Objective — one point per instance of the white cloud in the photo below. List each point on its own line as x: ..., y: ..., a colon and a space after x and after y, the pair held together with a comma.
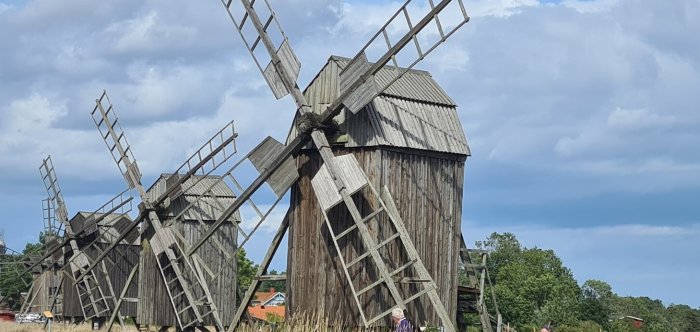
x: 638, y: 119
x: 148, y: 32
x: 591, y: 6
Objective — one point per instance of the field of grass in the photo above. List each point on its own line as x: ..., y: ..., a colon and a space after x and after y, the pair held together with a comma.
x: 306, y: 324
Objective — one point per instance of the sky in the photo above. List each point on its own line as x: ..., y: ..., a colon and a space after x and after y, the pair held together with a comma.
x: 581, y: 115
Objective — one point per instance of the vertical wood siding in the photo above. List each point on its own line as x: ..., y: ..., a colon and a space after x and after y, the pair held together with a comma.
x: 154, y: 307
x: 427, y: 189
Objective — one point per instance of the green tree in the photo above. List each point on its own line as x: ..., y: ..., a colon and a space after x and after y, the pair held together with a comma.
x: 597, y: 302
x: 14, y: 280
x: 532, y: 286
x: 246, y: 269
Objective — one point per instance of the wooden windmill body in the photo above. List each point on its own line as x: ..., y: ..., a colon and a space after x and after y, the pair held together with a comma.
x: 43, y: 287
x: 122, y: 260
x: 45, y: 291
x: 154, y: 306
x: 410, y: 140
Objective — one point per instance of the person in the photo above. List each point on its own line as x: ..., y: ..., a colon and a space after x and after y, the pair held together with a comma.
x: 547, y: 328
x: 401, y: 324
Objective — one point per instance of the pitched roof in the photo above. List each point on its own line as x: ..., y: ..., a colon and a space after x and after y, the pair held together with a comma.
x: 414, y: 112
x: 110, y: 227
x: 263, y: 297
x: 261, y: 312
x: 204, y: 197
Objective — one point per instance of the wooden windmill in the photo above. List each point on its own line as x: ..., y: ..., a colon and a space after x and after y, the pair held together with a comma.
x: 45, y: 289
x: 383, y: 254
x: 95, y: 295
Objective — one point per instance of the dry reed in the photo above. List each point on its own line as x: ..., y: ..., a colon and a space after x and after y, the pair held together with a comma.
x: 304, y: 324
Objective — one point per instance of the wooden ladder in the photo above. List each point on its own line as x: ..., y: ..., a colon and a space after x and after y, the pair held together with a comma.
x: 170, y: 264
x: 92, y: 300
x: 355, y: 180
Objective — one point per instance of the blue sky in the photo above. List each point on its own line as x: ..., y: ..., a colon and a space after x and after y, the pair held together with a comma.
x: 581, y: 115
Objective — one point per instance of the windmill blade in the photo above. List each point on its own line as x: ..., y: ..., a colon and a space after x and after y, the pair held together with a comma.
x: 281, y: 64
x: 357, y: 84
x: 48, y: 176
x: 51, y: 225
x: 209, y: 204
x: 112, y: 134
x: 276, y: 166
x: 214, y: 153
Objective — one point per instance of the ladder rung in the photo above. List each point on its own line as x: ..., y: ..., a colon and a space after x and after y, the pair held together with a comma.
x: 189, y: 324
x: 372, y: 285
x: 345, y: 232
x: 267, y: 24
x: 364, y: 220
x: 383, y: 243
x: 245, y: 17
x: 178, y: 294
x: 183, y: 310
x: 413, y: 297
x: 402, y: 267
x: 389, y: 239
x: 358, y: 259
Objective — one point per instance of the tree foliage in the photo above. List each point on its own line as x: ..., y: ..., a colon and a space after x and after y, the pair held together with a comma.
x: 247, y: 270
x: 533, y: 287
x: 14, y: 280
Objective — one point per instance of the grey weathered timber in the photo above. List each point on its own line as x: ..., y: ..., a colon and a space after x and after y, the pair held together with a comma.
x: 428, y: 197
x: 481, y: 305
x: 122, y: 297
x: 263, y: 155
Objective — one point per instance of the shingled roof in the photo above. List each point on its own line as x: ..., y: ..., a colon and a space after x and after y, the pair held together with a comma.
x: 414, y: 112
x: 204, y: 197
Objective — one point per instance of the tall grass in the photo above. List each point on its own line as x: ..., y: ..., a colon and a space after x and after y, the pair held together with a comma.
x: 304, y: 324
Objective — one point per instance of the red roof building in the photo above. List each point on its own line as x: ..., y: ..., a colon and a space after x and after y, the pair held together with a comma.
x: 267, y: 313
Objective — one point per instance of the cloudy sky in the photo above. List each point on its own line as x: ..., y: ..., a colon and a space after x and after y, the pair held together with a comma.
x: 581, y: 115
